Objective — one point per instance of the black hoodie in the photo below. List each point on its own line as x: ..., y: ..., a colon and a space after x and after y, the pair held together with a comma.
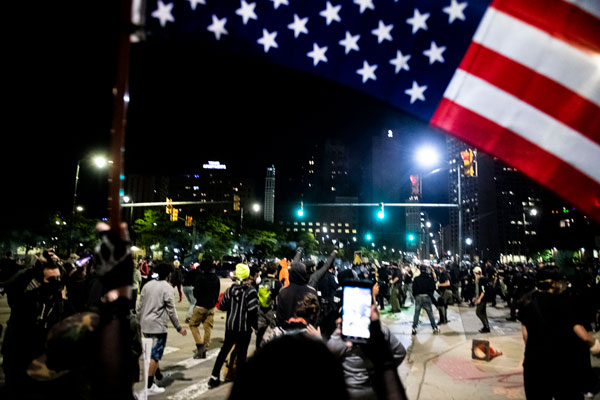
x: 289, y: 296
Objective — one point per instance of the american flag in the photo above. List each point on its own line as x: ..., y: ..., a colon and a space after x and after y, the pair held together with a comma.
x: 518, y: 79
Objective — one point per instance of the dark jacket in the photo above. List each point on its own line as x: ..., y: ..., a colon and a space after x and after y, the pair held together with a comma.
x: 206, y: 289
x: 289, y: 296
x: 423, y: 284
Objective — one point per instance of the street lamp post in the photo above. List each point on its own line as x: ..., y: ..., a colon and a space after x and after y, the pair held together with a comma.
x: 100, y: 162
x: 428, y: 157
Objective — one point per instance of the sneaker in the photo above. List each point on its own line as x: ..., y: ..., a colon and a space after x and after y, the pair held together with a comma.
x: 152, y: 390
x: 484, y: 330
x: 436, y: 330
x: 213, y: 382
x: 414, y: 331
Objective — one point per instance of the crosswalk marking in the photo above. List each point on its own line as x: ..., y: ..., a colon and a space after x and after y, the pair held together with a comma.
x: 192, y: 391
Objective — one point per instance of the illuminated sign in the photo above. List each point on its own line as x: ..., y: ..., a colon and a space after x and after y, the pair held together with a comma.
x: 214, y: 165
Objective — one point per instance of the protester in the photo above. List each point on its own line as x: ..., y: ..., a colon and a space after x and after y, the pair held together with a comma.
x: 557, y: 345
x: 423, y: 288
x: 304, y: 321
x: 444, y: 289
x: 359, y: 368
x: 33, y: 313
x: 176, y: 279
x: 206, y: 289
x: 482, y: 295
x: 155, y: 307
x: 268, y: 289
x: 189, y: 278
x: 241, y: 303
x: 289, y: 296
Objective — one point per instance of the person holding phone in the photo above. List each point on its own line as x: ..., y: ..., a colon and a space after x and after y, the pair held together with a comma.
x: 367, y: 359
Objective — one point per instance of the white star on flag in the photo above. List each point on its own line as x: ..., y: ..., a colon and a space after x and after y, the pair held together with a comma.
x: 416, y: 92
x: 401, y: 61
x: 194, y: 3
x: 455, y: 11
x: 367, y: 72
x: 218, y: 27
x: 418, y: 21
x: 364, y: 4
x: 246, y: 11
x: 317, y: 54
x: 163, y: 13
x: 277, y: 3
x: 350, y: 42
x: 435, y: 53
x: 299, y: 25
x: 383, y: 32
x: 331, y: 13
x: 268, y: 40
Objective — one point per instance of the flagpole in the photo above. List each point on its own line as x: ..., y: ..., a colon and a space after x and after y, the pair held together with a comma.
x: 119, y: 122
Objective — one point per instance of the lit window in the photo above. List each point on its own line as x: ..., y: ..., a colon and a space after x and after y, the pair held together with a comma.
x: 310, y: 224
x: 353, y: 230
x: 346, y: 224
x: 295, y: 223
x: 318, y: 223
x: 318, y: 230
x: 346, y: 230
x: 295, y: 229
x: 302, y: 223
x: 339, y: 231
x: 339, y: 224
x: 310, y: 229
x: 331, y: 224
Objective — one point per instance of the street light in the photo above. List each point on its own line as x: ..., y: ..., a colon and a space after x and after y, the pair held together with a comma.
x: 99, y: 162
x: 428, y: 157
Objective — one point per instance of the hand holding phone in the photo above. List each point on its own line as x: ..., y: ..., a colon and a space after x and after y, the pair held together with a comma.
x: 356, y: 311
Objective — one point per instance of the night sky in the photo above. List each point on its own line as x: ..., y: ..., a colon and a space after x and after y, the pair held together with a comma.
x: 188, y: 104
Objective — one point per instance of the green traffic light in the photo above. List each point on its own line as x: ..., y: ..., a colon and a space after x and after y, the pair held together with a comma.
x: 411, y: 237
x: 368, y: 236
x: 300, y: 213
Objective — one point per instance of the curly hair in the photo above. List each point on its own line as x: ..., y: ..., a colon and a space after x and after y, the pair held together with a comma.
x: 309, y: 309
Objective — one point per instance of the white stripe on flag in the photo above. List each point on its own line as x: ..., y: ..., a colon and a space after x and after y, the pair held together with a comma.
x: 526, y: 121
x: 534, y: 48
x: 590, y: 6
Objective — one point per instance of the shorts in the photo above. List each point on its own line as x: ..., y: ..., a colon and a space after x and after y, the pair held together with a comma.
x: 159, y: 342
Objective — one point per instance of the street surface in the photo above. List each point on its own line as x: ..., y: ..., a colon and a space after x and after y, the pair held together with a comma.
x: 437, y: 367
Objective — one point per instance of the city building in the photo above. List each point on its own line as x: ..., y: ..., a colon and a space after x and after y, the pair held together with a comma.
x: 269, y: 201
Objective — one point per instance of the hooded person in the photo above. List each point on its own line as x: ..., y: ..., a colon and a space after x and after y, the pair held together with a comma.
x: 289, y: 296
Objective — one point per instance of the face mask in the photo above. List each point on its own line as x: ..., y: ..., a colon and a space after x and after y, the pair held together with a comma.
x: 51, y: 288
x: 258, y: 280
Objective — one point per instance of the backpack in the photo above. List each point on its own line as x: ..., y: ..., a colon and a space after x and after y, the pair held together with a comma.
x: 265, y: 288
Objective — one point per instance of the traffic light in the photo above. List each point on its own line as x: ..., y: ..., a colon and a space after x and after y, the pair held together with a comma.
x: 301, y: 210
x: 188, y: 220
x: 468, y: 158
x: 174, y: 213
x: 236, y: 202
x: 169, y: 207
x: 368, y: 237
x: 410, y: 237
x: 381, y: 213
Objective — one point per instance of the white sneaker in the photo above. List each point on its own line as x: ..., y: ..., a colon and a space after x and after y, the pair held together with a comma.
x: 155, y: 390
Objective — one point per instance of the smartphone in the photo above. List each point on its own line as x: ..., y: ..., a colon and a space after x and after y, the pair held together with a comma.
x: 356, y: 311
x: 83, y: 261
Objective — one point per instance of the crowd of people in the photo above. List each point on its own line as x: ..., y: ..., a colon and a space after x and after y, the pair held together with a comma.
x: 57, y: 305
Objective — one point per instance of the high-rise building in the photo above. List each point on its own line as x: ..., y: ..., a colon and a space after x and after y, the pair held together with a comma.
x: 269, y: 207
x: 498, y: 206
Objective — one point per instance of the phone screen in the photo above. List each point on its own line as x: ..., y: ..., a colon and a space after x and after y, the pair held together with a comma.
x: 356, y: 313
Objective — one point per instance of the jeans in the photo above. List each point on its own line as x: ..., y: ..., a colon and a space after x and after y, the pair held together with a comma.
x: 189, y: 295
x: 423, y: 301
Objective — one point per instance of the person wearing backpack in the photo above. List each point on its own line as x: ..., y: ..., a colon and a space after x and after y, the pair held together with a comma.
x: 268, y: 288
x: 241, y: 303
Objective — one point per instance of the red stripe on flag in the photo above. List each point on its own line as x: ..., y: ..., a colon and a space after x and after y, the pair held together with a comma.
x: 521, y: 154
x: 557, y: 18
x: 542, y: 93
